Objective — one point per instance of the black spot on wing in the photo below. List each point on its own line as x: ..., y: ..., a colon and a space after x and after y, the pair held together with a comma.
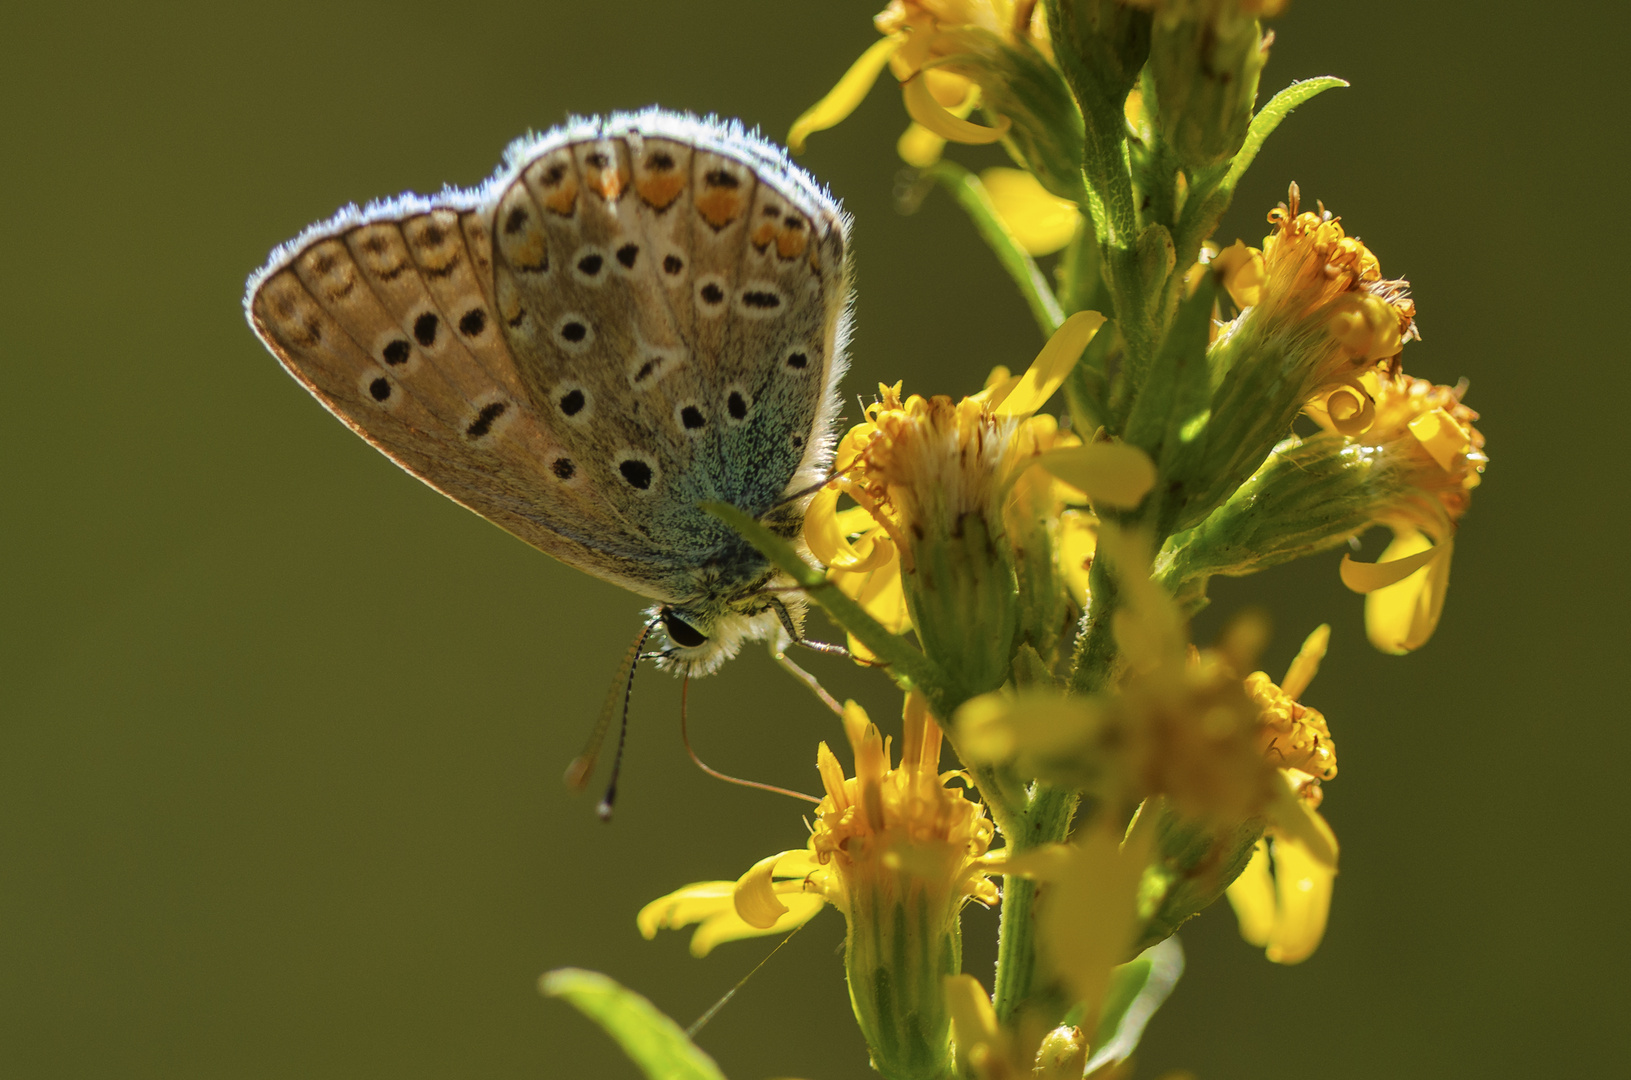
x: 424, y: 329
x: 636, y: 472
x: 483, y: 423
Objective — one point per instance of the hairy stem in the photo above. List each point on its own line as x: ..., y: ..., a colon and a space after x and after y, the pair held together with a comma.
x: 1045, y: 820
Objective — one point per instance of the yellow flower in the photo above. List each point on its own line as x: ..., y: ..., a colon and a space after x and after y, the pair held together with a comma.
x: 899, y: 851
x: 1426, y: 435
x: 1316, y: 296
x: 917, y: 33
x: 1290, y: 734
x: 1181, y: 723
x: 947, y: 482
x: 1283, y: 896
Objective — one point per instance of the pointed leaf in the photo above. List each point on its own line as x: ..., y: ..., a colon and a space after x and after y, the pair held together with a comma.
x: 1268, y: 118
x: 1137, y: 990
x: 653, y: 1042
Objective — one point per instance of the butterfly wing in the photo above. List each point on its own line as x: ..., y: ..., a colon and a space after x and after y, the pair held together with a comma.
x: 549, y: 350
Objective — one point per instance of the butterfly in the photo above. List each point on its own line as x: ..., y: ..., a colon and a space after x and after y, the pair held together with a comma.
x: 634, y: 316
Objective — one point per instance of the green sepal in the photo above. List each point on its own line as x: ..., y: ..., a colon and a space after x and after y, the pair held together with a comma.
x: 1016, y: 81
x: 1309, y: 496
x: 1196, y: 861
x: 910, y: 669
x: 656, y: 1045
x: 1031, y: 672
x: 1137, y: 989
x: 964, y: 602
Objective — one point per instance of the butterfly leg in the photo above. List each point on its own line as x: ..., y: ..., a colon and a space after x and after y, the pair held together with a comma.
x: 786, y: 618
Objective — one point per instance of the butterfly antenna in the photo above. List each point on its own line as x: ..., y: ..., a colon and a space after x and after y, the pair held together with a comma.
x: 685, y: 737
x: 577, y: 773
x: 691, y: 1032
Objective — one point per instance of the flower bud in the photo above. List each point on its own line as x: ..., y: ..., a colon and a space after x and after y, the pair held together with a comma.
x: 1206, y: 56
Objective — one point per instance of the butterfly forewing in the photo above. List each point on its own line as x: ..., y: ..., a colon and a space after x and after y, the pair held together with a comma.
x: 634, y: 317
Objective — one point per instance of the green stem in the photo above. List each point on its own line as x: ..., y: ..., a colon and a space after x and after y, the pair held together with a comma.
x: 971, y: 195
x: 1046, y: 820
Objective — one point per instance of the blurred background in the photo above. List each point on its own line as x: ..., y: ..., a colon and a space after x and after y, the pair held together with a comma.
x: 282, y: 730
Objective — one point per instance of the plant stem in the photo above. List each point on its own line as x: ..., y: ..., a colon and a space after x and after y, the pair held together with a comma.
x: 1046, y: 819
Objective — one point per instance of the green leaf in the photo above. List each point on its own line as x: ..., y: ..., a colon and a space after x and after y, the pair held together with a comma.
x: 653, y: 1042
x: 1137, y: 989
x: 1268, y: 118
x: 970, y: 194
x: 908, y: 667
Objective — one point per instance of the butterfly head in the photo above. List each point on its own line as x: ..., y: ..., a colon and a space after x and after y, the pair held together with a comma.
x: 700, y: 637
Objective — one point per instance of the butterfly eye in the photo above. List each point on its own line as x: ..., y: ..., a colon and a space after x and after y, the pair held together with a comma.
x: 682, y: 633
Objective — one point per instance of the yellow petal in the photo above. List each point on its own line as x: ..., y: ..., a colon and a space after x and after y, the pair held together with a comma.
x: 995, y: 727
x: 822, y: 531
x: 974, y: 1021
x: 755, y: 894
x: 1244, y: 273
x: 1041, y: 222
x: 683, y: 907
x: 1050, y: 367
x: 1294, y: 818
x: 1078, y: 539
x: 1302, y: 887
x: 1402, y: 617
x: 1366, y: 326
x: 922, y: 107
x: 843, y: 98
x: 1252, y: 896
x: 919, y: 147
x: 1307, y: 662
x: 1441, y: 437
x: 1405, y: 556
x: 1111, y: 473
x: 729, y: 926
x: 1088, y: 923
x: 1046, y: 863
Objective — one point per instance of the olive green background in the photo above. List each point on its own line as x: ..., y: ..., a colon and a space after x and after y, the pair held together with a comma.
x: 281, y: 729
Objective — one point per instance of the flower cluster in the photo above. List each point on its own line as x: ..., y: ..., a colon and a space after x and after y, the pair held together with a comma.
x: 1027, y: 576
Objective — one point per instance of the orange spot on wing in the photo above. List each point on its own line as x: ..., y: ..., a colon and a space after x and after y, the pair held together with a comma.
x: 564, y: 198
x: 790, y: 243
x: 530, y: 251
x: 609, y: 184
x: 661, y: 189
x: 763, y: 235
x: 719, y: 207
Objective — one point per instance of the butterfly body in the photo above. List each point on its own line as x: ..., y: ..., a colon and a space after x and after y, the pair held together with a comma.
x: 633, y: 317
